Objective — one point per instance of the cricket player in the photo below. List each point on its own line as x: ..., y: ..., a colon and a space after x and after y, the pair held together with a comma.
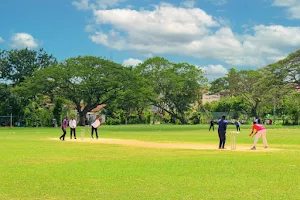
x: 212, y: 125
x: 64, y: 128
x: 237, y: 125
x: 222, y: 131
x: 95, y: 126
x: 259, y: 131
x: 72, y: 125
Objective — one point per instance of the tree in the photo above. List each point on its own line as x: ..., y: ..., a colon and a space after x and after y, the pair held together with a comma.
x: 249, y: 89
x: 4, y: 99
x: 245, y: 84
x: 177, y: 86
x: 16, y: 64
x: 219, y: 85
x: 280, y: 80
x: 10, y: 102
x: 136, y: 94
x: 228, y: 104
x: 235, y: 82
x: 292, y: 106
x: 37, y: 111
x: 86, y: 81
x: 291, y: 67
x: 57, y: 110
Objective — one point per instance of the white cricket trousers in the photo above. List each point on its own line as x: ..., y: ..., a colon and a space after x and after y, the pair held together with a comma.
x: 263, y: 134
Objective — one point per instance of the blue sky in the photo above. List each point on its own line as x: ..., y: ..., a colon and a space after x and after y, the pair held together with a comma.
x: 213, y: 34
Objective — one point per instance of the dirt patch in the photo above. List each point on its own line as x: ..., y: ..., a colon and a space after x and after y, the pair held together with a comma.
x: 159, y: 145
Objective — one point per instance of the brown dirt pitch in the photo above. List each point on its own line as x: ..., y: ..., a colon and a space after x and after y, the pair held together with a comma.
x: 159, y: 145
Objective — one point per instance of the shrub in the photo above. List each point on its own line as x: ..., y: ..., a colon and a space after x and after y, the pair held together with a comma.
x: 112, y: 121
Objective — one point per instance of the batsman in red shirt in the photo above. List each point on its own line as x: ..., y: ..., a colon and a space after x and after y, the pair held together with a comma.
x: 259, y: 131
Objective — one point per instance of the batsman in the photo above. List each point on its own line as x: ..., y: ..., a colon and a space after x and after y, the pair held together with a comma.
x: 259, y: 131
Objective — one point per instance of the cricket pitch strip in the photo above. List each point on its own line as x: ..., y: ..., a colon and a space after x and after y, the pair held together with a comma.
x: 160, y: 145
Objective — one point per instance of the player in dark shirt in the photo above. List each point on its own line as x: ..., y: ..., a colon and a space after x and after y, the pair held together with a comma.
x: 212, y: 125
x: 222, y: 132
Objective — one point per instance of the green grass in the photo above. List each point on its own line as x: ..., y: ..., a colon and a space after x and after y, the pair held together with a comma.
x: 33, y: 167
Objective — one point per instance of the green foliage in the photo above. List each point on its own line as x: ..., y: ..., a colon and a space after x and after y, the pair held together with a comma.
x: 112, y: 121
x: 45, y: 117
x: 195, y: 119
x: 11, y: 102
x: 133, y: 97
x: 86, y: 81
x: 292, y: 107
x: 176, y: 85
x: 133, y: 119
x: 245, y: 84
x: 4, y: 99
x: 16, y: 64
x: 262, y: 90
x: 120, y: 115
x: 57, y: 110
x: 219, y: 85
x: 228, y: 105
x: 135, y: 93
x: 148, y: 116
x: 35, y: 113
x: 167, y: 118
x: 282, y: 78
x: 287, y: 70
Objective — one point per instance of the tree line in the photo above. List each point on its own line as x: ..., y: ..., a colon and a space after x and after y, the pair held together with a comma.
x: 271, y: 90
x: 35, y: 86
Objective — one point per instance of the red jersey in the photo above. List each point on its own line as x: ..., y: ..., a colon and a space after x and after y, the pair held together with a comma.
x: 258, y: 127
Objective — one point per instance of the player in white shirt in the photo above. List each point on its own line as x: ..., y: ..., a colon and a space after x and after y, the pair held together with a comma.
x: 72, y: 124
x: 95, y: 126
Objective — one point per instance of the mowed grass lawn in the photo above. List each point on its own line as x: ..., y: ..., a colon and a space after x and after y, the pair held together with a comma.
x: 34, y: 167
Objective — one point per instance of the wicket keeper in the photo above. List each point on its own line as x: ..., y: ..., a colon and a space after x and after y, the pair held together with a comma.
x: 259, y: 131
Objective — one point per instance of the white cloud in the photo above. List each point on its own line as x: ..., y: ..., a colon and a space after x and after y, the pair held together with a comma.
x: 214, y: 71
x: 275, y: 36
x: 89, y: 28
x: 148, y: 55
x: 191, y: 32
x: 166, y: 25
x: 130, y: 6
x: 1, y: 40
x: 164, y: 21
x: 218, y: 2
x: 82, y: 4
x: 268, y: 43
x: 131, y: 62
x: 95, y: 4
x: 23, y: 40
x: 292, y: 7
x: 188, y: 3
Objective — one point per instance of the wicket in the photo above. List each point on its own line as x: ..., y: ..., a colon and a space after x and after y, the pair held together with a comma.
x: 84, y: 130
x: 233, y: 139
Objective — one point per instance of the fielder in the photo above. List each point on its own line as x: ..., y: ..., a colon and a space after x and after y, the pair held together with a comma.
x: 260, y: 131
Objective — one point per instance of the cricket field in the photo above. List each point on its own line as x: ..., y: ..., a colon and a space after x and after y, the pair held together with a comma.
x: 148, y: 162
